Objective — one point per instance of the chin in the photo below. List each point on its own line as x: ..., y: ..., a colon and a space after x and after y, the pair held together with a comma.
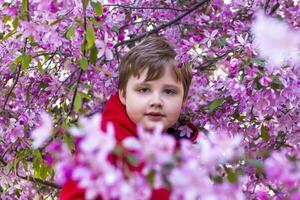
x: 151, y: 127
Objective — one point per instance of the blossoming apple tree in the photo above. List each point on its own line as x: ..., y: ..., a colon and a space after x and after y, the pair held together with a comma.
x: 59, y: 64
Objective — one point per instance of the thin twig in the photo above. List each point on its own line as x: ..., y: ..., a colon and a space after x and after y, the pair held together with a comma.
x: 75, y: 92
x: 208, y: 63
x: 81, y: 70
x: 197, y: 5
x: 13, y: 86
x: 3, y: 161
x: 266, y: 5
x: 144, y: 8
x: 37, y: 180
x: 274, y: 8
x: 53, y: 53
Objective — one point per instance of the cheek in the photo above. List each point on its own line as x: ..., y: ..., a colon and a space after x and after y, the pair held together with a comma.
x: 135, y: 111
x: 174, y: 110
x: 174, y: 106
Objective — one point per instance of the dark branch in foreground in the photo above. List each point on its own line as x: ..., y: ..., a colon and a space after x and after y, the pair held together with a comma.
x: 157, y: 29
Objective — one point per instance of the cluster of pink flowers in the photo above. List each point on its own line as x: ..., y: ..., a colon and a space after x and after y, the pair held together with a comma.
x: 103, y: 167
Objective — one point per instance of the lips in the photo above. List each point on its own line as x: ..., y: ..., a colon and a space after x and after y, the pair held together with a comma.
x: 155, y: 116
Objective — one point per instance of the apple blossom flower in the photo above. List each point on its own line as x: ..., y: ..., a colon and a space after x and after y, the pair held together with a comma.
x: 104, y: 47
x: 209, y: 37
x: 185, y: 130
x: 43, y: 132
x: 279, y: 46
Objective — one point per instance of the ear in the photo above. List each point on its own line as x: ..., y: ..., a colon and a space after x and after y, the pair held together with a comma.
x: 122, y: 97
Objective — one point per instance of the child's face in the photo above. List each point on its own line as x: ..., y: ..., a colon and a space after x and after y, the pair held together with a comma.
x: 153, y: 102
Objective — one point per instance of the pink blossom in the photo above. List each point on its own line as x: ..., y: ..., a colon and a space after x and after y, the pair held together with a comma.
x: 94, y: 140
x: 185, y: 130
x: 43, y: 132
x: 209, y: 37
x: 104, y: 47
x: 279, y: 46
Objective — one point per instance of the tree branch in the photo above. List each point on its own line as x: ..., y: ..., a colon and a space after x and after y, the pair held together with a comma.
x: 143, y: 8
x: 274, y: 8
x: 208, y: 63
x: 197, y: 5
x: 266, y: 4
x: 84, y: 53
x: 53, y: 53
x: 37, y: 180
x: 13, y: 86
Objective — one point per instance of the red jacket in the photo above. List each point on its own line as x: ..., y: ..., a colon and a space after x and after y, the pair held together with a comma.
x: 115, y: 112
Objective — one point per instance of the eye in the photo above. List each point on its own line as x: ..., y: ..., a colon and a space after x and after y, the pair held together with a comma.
x: 143, y: 90
x: 169, y: 91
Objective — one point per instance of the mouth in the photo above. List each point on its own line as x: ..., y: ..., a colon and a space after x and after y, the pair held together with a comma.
x: 155, y: 116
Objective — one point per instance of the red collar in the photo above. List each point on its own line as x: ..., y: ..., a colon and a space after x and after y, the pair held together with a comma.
x: 115, y: 112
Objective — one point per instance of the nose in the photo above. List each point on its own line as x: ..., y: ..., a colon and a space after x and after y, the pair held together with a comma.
x: 156, y: 101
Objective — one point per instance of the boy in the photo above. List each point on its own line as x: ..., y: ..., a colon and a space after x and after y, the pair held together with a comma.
x: 152, y: 91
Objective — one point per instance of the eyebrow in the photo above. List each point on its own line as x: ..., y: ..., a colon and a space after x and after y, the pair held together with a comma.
x: 165, y: 85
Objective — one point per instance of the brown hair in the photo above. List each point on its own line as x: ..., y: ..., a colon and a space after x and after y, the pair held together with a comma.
x: 153, y: 53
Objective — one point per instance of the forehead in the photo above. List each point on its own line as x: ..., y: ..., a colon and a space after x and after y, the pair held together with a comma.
x: 166, y: 76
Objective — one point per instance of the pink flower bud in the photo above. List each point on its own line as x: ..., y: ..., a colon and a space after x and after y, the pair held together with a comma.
x: 46, y: 79
x: 121, y: 36
x: 53, y: 7
x: 110, y: 44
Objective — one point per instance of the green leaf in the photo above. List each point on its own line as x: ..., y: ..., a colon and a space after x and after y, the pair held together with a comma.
x: 11, y: 33
x: 116, y: 29
x: 255, y: 163
x: 9, y: 166
x: 215, y: 104
x: 44, y: 171
x: 15, y: 23
x: 83, y: 63
x: 37, y: 162
x: 85, y: 96
x: 40, y: 68
x: 70, y: 33
x: 231, y: 176
x: 276, y: 83
x: 26, y: 60
x: 24, y: 5
x: 97, y: 6
x: 25, y: 165
x: 87, y: 86
x: 259, y: 62
x: 69, y: 141
x: 77, y: 102
x: 150, y: 177
x: 90, y: 37
x: 12, y: 68
x: 93, y: 55
x: 13, y: 95
x: 6, y: 18
x: 264, y: 131
x: 217, y: 179
x: 132, y: 159
x: 221, y: 43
